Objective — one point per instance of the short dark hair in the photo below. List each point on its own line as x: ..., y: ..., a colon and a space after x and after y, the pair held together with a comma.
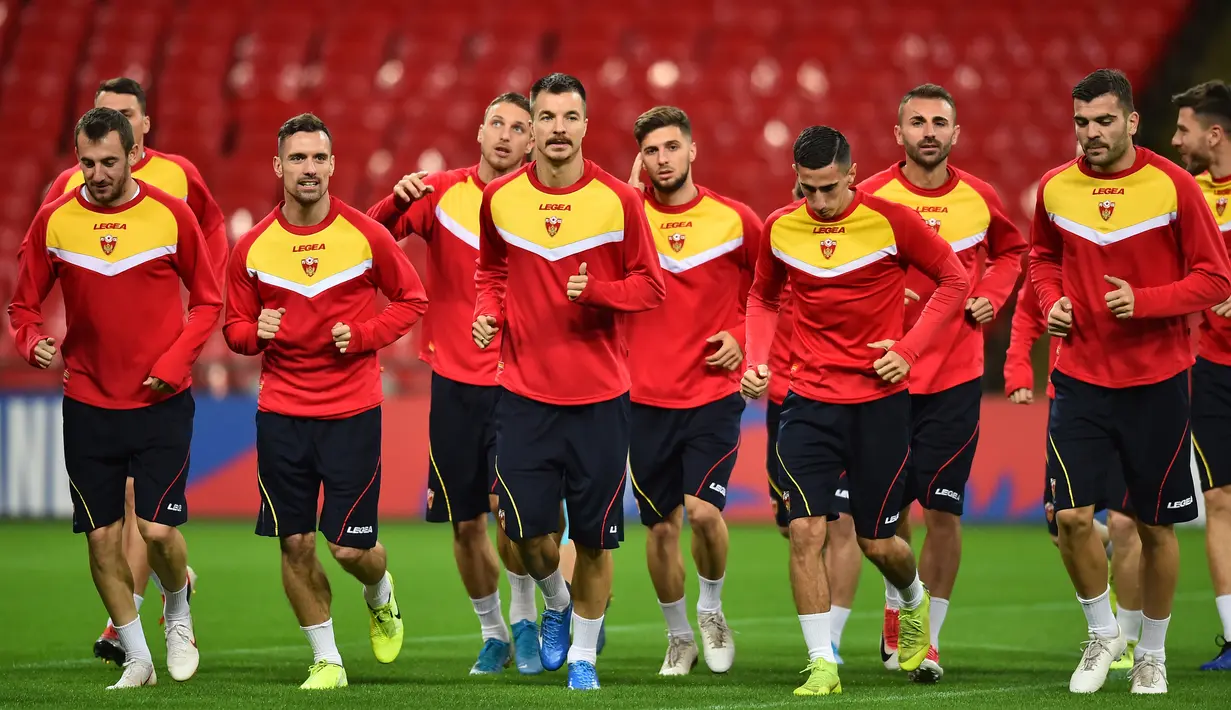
x: 1106, y: 81
x: 1210, y: 102
x: 511, y: 97
x: 123, y: 85
x: 820, y: 146
x: 557, y: 83
x: 927, y: 91
x: 661, y: 117
x: 98, y: 123
x: 303, y: 123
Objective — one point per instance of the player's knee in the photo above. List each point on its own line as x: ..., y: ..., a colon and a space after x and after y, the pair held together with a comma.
x: 807, y: 536
x: 112, y: 534
x: 705, y: 518
x: 1121, y: 528
x: 879, y: 550
x: 1075, y: 521
x: 1218, y: 503
x: 664, y: 532
x: 298, y: 550
x: 156, y: 534
x: 471, y: 531
x: 1153, y: 536
x: 346, y: 556
x: 938, y: 521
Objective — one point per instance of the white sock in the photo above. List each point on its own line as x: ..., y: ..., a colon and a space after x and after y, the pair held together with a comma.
x: 323, y: 646
x: 937, y: 611
x: 1130, y: 622
x: 892, y: 599
x: 676, y: 613
x: 137, y: 599
x: 837, y: 622
x: 817, y: 635
x: 585, y: 639
x: 521, y: 606
x: 488, y: 609
x: 1153, y: 639
x: 133, y: 639
x: 555, y: 592
x: 157, y: 582
x: 377, y: 595
x: 176, y: 606
x: 710, y: 599
x: 1099, y: 619
x: 1224, y: 612
x: 912, y: 594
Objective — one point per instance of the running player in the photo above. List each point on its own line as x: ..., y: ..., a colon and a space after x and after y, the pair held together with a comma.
x: 1203, y: 139
x: 686, y: 406
x: 564, y: 251
x: 120, y: 249
x: 301, y: 292
x: 845, y: 253
x: 1122, y: 212
x: 178, y: 177
x: 443, y: 209
x: 945, y: 383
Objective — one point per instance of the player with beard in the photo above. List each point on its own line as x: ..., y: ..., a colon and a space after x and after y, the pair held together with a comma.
x: 1203, y: 139
x: 945, y: 389
x: 1121, y: 212
x: 686, y: 407
x: 301, y: 293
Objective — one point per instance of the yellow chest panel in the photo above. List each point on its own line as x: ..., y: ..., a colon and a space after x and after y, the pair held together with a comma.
x: 828, y: 249
x: 960, y: 216
x: 1107, y: 210
x: 1217, y: 196
x: 310, y: 264
x: 163, y: 174
x: 112, y: 243
x: 458, y: 211
x: 555, y: 226
x: 688, y: 239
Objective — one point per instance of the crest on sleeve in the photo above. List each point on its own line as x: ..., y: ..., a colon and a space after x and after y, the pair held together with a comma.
x: 676, y: 241
x: 1221, y: 205
x: 309, y: 264
x: 552, y: 224
x: 828, y: 245
x: 107, y: 242
x: 1106, y: 208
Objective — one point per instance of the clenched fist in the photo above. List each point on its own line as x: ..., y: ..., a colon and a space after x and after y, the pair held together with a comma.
x: 483, y: 330
x: 44, y: 351
x: 891, y: 366
x: 1060, y: 318
x: 577, y: 283
x: 269, y: 322
x: 341, y: 336
x: 755, y: 382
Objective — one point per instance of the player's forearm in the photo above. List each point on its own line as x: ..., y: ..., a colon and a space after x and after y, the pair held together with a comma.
x: 1018, y: 369
x: 760, y: 325
x: 1046, y: 277
x: 387, y: 213
x: 946, y: 302
x: 1194, y: 293
x: 385, y: 329
x: 26, y: 328
x: 175, y: 365
x: 240, y: 337
x: 1000, y: 278
x: 635, y: 293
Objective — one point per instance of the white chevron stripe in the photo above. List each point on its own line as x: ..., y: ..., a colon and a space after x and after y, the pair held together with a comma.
x: 678, y: 266
x: 564, y: 250
x: 108, y: 268
x: 317, y: 288
x: 1104, y: 239
x: 837, y: 270
x: 1225, y: 227
x: 965, y: 243
x: 456, y: 228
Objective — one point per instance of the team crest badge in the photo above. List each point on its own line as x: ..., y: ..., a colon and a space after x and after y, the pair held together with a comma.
x: 500, y: 514
x: 553, y: 225
x: 1105, y: 208
x: 828, y: 246
x: 677, y: 242
x: 786, y: 500
x: 934, y: 224
x: 431, y: 498
x: 107, y: 242
x: 1221, y: 205
x: 309, y: 264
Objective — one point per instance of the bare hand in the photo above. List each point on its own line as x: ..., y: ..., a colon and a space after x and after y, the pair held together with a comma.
x: 1024, y: 395
x: 158, y: 385
x: 755, y: 382
x: 980, y: 309
x: 634, y: 178
x: 44, y: 351
x: 483, y: 330
x: 1223, y: 309
x: 1060, y: 318
x: 729, y: 354
x: 341, y: 336
x: 891, y: 366
x: 409, y: 189
x: 1120, y: 301
x: 269, y: 322
x: 909, y: 296
x: 577, y: 282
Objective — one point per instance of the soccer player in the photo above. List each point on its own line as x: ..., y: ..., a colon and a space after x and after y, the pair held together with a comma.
x: 120, y: 248
x: 684, y: 358
x: 1203, y: 139
x: 945, y: 382
x: 564, y: 252
x: 1121, y: 212
x: 845, y: 254
x: 301, y: 292
x: 178, y: 177
x: 443, y: 208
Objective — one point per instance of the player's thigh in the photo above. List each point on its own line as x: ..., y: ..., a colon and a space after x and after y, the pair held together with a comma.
x: 160, y: 465
x: 1211, y: 422
x: 287, y: 478
x: 655, y: 460
x: 879, y: 444
x: 529, y: 466
x: 348, y: 456
x: 842, y: 496
x: 811, y: 453
x: 459, y: 457
x: 1080, y: 442
x: 945, y: 433
x: 711, y: 448
x: 1155, y: 446
x: 96, y: 456
x: 598, y: 437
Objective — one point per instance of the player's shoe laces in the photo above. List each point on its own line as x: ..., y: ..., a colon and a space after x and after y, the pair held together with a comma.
x: 822, y: 679
x: 493, y: 657
x: 1149, y: 676
x: 109, y: 648
x: 889, y: 639
x: 1096, y: 658
x: 837, y: 657
x: 385, y: 628
x: 716, y: 641
x: 681, y: 656
x: 1221, y: 662
x: 914, y: 633
x: 1125, y: 661
x: 554, y: 639
x: 136, y: 674
x: 582, y: 675
x: 324, y: 675
x: 929, y: 671
x: 526, y: 647
x: 182, y: 655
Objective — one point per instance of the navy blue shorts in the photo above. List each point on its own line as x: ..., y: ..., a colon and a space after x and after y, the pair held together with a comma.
x: 461, y: 432
x: 1147, y: 425
x: 1212, y: 423
x: 944, y: 434
x: 1115, y: 497
x: 841, y: 496
x: 870, y: 441
x: 549, y: 452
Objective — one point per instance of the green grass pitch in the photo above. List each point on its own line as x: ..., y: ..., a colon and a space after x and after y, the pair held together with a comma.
x: 1011, y: 638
